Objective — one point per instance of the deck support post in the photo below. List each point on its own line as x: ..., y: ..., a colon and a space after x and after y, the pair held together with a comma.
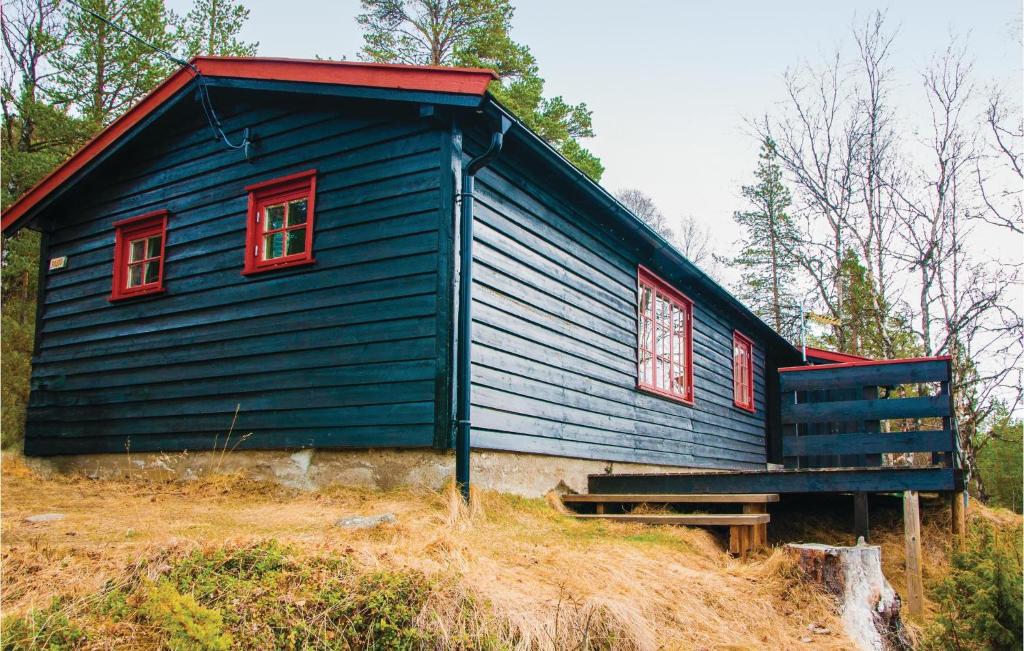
x: 758, y: 532
x: 860, y: 515
x: 912, y: 539
x: 959, y: 512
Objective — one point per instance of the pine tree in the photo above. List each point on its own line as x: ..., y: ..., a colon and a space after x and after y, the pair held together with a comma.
x: 477, y: 33
x: 769, y: 241
x: 104, y: 72
x: 862, y: 330
x: 998, y: 452
x: 211, y: 28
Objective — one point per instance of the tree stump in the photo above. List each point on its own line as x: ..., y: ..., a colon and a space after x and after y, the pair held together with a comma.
x: 870, y: 608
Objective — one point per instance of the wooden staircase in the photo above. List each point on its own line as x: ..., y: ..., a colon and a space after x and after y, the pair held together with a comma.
x: 748, y: 531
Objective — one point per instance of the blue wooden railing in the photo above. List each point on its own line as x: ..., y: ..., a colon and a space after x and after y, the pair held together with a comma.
x: 841, y: 415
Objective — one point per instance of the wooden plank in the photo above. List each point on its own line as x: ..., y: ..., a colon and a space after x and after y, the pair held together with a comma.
x: 384, y: 435
x: 912, y: 541
x: 866, y: 443
x: 692, y: 519
x: 838, y: 480
x: 880, y: 409
x: 711, y: 498
x: 858, y: 376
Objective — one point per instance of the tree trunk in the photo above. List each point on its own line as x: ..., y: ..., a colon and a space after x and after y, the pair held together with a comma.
x: 870, y: 608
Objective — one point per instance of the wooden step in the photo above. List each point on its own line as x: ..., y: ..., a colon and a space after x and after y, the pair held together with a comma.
x: 670, y: 498
x: 691, y: 519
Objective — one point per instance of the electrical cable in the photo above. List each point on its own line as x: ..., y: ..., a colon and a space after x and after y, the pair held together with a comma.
x: 202, y: 90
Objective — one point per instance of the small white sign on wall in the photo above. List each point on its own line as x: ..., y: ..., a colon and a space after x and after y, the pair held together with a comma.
x: 56, y: 264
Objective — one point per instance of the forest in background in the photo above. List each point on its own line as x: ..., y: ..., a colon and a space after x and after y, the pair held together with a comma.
x: 880, y: 230
x: 875, y: 230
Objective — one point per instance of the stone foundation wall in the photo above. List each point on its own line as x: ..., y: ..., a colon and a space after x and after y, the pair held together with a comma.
x: 529, y: 475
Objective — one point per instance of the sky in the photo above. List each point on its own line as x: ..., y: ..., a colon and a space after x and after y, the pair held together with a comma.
x: 673, y: 84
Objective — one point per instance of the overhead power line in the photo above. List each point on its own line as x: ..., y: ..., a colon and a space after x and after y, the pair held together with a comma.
x: 202, y: 90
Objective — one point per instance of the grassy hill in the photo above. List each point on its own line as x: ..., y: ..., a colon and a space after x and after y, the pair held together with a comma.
x: 223, y: 562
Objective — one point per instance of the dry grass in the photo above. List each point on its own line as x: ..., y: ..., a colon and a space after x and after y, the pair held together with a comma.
x: 541, y: 580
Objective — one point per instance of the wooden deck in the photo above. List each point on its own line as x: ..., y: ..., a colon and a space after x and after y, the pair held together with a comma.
x: 807, y: 480
x: 841, y: 432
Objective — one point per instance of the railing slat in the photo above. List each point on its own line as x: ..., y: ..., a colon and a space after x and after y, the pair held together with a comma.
x: 824, y: 377
x: 856, y: 410
x: 866, y: 443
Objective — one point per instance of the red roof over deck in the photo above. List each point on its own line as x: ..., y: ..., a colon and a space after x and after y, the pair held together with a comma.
x: 833, y: 356
x: 460, y: 81
x: 865, y: 362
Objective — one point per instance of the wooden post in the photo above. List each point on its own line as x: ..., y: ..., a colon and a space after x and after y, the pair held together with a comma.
x: 959, y: 517
x: 759, y: 532
x: 912, y: 538
x: 599, y: 508
x: 860, y: 515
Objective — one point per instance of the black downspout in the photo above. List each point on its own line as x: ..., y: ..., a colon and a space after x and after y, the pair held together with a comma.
x: 465, y: 327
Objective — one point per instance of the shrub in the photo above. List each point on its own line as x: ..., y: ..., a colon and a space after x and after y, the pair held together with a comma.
x: 980, y: 599
x: 187, y: 624
x: 379, y: 611
x: 44, y: 628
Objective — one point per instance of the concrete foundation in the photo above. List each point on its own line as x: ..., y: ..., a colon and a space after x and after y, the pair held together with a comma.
x: 529, y: 475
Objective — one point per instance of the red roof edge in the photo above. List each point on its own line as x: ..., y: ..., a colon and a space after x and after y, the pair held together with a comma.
x: 833, y: 356
x: 865, y: 362
x: 462, y: 81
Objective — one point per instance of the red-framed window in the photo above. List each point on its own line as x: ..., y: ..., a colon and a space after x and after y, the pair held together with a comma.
x: 279, y: 230
x: 665, y: 338
x: 742, y: 372
x: 139, y: 245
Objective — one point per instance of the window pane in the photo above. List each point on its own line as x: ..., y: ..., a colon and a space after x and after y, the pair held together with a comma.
x: 661, y: 313
x: 296, y: 241
x: 645, y: 300
x: 153, y: 247
x: 662, y: 373
x: 645, y: 367
x: 297, y: 212
x: 275, y: 217
x: 134, y: 275
x: 645, y: 360
x: 678, y: 364
x: 137, y: 250
x: 152, y: 271
x: 273, y: 246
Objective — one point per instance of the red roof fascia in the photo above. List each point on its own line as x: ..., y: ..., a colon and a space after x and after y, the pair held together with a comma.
x: 463, y: 81
x: 867, y: 362
x: 833, y: 356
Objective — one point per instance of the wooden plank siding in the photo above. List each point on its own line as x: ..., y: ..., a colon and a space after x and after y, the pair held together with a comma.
x: 555, y: 338
x: 346, y: 352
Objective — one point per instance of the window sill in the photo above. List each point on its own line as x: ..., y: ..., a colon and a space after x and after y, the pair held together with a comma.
x: 281, y: 265
x: 127, y: 297
x: 658, y: 393
x: 749, y: 410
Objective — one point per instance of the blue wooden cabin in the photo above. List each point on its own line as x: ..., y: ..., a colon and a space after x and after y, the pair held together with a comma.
x: 306, y: 270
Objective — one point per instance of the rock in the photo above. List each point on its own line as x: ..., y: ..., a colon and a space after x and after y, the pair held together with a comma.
x: 45, y: 517
x: 869, y: 606
x: 366, y: 521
